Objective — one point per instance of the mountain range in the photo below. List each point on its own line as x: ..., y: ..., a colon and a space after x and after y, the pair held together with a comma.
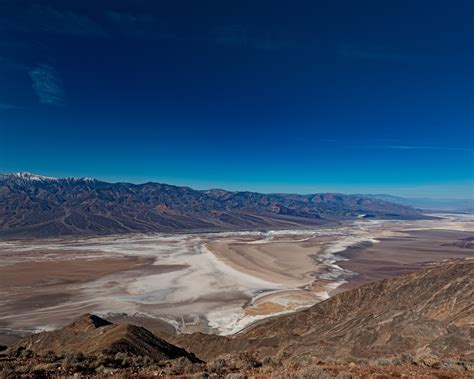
x: 34, y: 206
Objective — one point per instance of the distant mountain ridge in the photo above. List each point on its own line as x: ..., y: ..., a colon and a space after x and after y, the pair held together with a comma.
x: 429, y: 204
x: 34, y: 206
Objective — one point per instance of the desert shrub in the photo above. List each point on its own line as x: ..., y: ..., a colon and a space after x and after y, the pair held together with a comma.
x: 105, y: 371
x: 467, y: 364
x: 218, y: 365
x: 313, y: 372
x: 74, y: 361
x: 291, y: 366
x: 100, y: 369
x: 15, y: 353
x: 449, y: 363
x: 123, y: 360
x: 141, y: 361
x: 182, y: 366
x: 7, y: 371
x: 248, y: 360
x: 121, y: 375
x: 39, y: 373
x: 271, y: 362
x: 235, y: 375
x: 436, y: 364
x: 51, y: 357
x: 406, y: 358
x: 348, y: 359
x: 345, y: 375
x: 103, y: 360
x: 200, y: 375
x: 318, y: 373
x: 383, y: 362
x: 427, y: 361
x: 121, y: 356
x: 27, y: 354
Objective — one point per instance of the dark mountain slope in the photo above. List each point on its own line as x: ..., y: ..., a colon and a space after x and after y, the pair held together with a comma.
x: 33, y: 206
x: 426, y: 313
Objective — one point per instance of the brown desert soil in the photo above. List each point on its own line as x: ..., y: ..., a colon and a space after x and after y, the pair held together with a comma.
x: 400, y: 255
x: 27, y: 287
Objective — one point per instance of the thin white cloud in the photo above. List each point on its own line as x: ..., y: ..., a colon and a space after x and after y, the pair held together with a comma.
x: 49, y: 19
x: 141, y: 26
x: 407, y: 147
x: 47, y: 85
x: 242, y: 36
x: 385, y: 146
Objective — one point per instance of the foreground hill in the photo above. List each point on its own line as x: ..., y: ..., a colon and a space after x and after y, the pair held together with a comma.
x: 34, y: 206
x: 93, y: 336
x: 418, y: 325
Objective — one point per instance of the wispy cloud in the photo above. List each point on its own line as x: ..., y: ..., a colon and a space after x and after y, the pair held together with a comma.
x: 421, y: 147
x: 378, y: 144
x: 47, y: 19
x: 150, y: 27
x: 65, y: 22
x: 242, y: 36
x: 47, y: 85
x: 130, y: 19
x: 139, y: 25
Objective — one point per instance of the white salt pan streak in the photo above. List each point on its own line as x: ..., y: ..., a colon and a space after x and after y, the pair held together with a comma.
x: 199, y: 286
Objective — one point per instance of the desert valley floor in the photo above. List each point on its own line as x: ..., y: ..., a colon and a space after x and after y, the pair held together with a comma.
x: 216, y: 282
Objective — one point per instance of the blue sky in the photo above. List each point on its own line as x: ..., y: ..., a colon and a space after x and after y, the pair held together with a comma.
x: 260, y: 95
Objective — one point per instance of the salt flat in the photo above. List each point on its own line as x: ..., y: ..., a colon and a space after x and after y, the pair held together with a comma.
x: 219, y: 282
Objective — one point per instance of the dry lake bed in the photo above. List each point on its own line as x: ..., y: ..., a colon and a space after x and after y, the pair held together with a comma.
x: 216, y: 282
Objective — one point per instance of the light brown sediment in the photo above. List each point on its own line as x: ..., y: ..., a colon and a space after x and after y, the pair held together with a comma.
x: 250, y: 276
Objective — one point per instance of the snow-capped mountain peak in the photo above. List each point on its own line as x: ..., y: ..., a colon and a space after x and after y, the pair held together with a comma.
x: 30, y: 176
x: 27, y: 176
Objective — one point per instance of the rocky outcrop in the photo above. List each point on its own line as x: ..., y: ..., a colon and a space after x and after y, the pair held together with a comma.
x: 94, y: 336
